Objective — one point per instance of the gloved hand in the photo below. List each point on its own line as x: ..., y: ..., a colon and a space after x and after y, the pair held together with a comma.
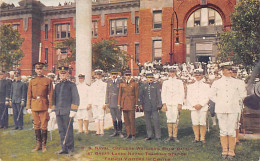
x: 119, y: 107
x: 6, y: 103
x: 49, y: 110
x: 22, y: 103
x: 88, y: 106
x: 72, y: 114
x: 29, y: 111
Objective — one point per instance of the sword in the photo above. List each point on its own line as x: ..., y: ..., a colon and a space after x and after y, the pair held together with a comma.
x: 19, y: 113
x: 67, y: 132
x: 3, y: 113
x: 208, y: 120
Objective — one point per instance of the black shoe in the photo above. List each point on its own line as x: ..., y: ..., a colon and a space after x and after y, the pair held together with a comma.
x: 20, y: 128
x: 16, y: 128
x: 147, y: 139
x: 61, y: 152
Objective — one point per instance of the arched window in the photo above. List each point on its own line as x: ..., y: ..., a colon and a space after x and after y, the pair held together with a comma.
x: 204, y: 17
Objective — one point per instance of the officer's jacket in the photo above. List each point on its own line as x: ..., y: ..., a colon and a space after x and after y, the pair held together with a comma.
x: 172, y: 92
x: 84, y: 94
x: 226, y: 93
x: 18, y: 92
x: 39, y: 95
x: 198, y: 93
x: 4, y: 90
x: 65, y: 98
x: 150, y: 96
x: 112, y: 92
x: 128, y: 95
x: 98, y: 93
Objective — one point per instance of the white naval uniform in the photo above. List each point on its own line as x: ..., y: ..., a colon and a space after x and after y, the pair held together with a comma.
x: 98, y: 98
x: 226, y: 94
x: 172, y: 95
x: 84, y: 94
x: 197, y: 93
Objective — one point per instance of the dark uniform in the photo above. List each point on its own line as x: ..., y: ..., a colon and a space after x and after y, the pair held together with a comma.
x: 40, y: 91
x: 18, y: 97
x: 128, y: 100
x: 150, y: 100
x: 65, y: 99
x: 112, y: 100
x: 4, y: 99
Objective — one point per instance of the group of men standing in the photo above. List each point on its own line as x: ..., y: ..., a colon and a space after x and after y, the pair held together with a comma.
x: 127, y: 96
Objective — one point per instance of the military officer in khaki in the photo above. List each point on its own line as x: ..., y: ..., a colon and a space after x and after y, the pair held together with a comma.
x: 39, y: 103
x: 128, y: 102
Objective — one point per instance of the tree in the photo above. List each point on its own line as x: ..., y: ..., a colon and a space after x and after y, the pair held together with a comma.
x: 106, y: 55
x: 242, y: 43
x: 10, y: 43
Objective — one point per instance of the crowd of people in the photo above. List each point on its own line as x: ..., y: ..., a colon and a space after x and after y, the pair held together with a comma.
x: 158, y: 87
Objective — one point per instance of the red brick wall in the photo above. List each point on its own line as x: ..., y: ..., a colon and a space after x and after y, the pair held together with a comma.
x: 26, y: 62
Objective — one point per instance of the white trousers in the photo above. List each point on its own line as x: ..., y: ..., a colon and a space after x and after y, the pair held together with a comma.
x: 172, y: 114
x: 84, y: 114
x: 98, y: 112
x: 227, y: 123
x: 198, y: 117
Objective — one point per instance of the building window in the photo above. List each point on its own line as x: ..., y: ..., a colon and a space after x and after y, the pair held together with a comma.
x: 137, y: 25
x: 157, y: 19
x: 62, y: 31
x: 157, y: 50
x: 136, y: 53
x: 118, y: 27
x: 94, y: 29
x: 211, y: 17
x: 46, y: 56
x: 197, y: 18
x: 46, y: 31
x: 15, y: 26
x: 204, y: 17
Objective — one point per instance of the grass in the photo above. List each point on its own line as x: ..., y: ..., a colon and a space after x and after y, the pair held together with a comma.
x: 17, y: 145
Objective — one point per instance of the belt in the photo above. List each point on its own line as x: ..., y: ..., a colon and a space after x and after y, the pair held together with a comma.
x: 38, y: 97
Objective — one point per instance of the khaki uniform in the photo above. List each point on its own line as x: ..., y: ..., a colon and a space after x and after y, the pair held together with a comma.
x: 128, y: 99
x: 39, y: 99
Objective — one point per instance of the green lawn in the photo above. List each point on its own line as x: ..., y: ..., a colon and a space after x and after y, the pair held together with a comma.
x: 17, y: 145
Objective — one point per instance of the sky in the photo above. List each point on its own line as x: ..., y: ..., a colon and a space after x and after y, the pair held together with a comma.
x: 45, y: 2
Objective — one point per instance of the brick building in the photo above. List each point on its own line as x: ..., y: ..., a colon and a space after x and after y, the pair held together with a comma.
x: 141, y: 27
